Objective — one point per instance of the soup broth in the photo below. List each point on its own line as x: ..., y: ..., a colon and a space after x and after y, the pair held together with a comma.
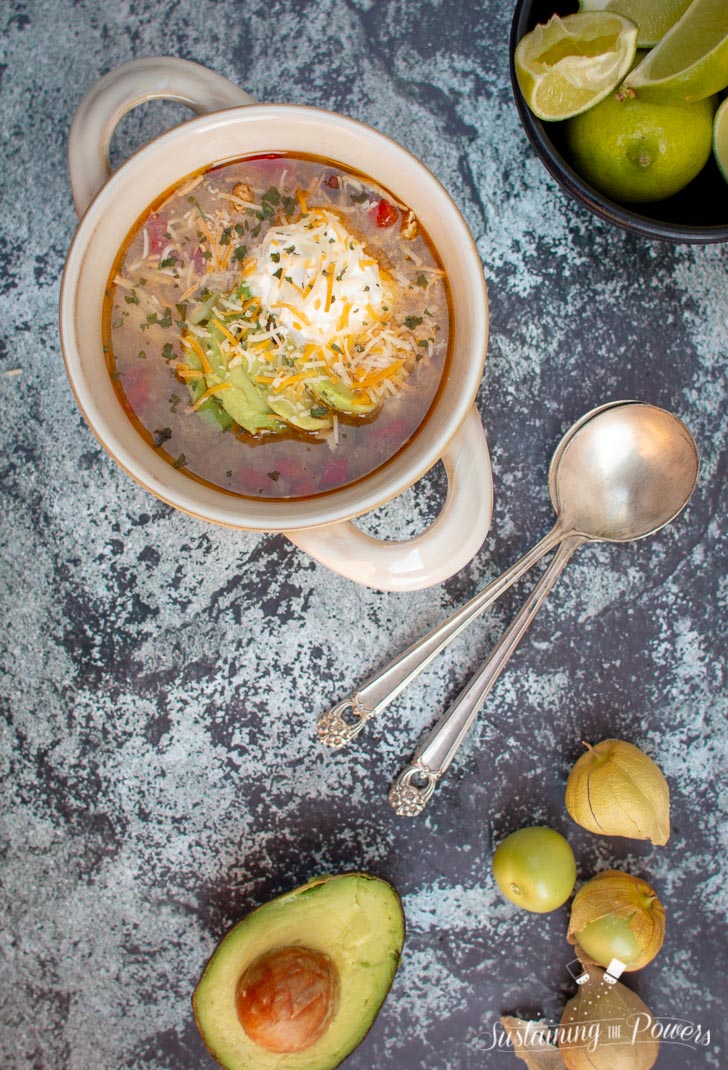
x: 277, y: 327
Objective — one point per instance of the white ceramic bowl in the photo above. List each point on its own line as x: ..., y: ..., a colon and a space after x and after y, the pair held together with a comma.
x: 231, y: 126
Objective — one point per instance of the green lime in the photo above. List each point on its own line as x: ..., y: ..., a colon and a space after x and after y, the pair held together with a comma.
x: 720, y: 138
x: 571, y: 63
x: 653, y: 17
x: 690, y: 62
x: 535, y: 868
x: 636, y: 151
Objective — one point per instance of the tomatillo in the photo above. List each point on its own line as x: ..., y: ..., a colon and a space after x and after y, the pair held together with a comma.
x: 535, y: 868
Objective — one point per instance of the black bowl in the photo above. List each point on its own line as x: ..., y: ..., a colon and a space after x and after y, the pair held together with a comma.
x: 698, y: 213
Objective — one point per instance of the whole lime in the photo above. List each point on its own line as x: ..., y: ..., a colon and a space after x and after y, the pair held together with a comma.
x: 635, y: 151
x: 535, y: 868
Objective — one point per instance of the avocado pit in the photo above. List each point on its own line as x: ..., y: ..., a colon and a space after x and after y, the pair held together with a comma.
x: 287, y: 998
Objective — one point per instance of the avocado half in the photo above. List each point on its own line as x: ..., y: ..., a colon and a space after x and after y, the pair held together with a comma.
x: 355, y: 919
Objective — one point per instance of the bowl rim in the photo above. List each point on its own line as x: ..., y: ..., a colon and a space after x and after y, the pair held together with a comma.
x: 561, y: 170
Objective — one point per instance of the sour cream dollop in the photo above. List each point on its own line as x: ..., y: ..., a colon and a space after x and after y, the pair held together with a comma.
x: 318, y: 280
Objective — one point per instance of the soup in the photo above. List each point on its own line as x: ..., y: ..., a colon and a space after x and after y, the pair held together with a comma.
x: 277, y: 327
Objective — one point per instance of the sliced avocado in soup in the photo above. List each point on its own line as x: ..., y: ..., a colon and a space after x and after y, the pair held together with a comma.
x: 332, y: 946
x: 260, y: 400
x: 209, y: 410
x: 336, y: 394
x: 242, y: 401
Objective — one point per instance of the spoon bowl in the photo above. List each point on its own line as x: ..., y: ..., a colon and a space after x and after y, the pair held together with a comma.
x: 620, y: 473
x: 623, y: 472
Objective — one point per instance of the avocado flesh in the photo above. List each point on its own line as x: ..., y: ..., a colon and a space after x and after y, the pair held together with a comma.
x: 256, y: 406
x: 336, y: 394
x: 242, y: 400
x: 355, y: 919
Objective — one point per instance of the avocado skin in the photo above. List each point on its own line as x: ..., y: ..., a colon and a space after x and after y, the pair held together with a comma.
x: 256, y: 1058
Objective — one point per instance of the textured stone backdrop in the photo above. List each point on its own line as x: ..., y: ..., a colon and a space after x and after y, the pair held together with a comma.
x: 161, y: 677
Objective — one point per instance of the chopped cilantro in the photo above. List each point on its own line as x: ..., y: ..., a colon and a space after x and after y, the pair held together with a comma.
x: 161, y: 436
x: 318, y: 411
x: 423, y: 343
x: 277, y: 274
x: 290, y: 249
x: 273, y: 195
x: 167, y: 352
x: 169, y: 261
x: 412, y: 321
x: 421, y: 280
x: 336, y: 348
x: 132, y: 299
x: 359, y: 198
x: 240, y: 253
x: 117, y: 323
x: 275, y: 257
x: 182, y: 309
x: 240, y: 229
x: 180, y: 462
x: 289, y: 205
x: 226, y: 235
x: 141, y: 355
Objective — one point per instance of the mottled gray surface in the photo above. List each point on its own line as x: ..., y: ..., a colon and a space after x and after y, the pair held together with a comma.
x: 161, y: 677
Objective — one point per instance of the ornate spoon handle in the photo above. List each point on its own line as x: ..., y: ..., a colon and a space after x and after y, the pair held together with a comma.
x: 343, y: 722
x: 414, y: 786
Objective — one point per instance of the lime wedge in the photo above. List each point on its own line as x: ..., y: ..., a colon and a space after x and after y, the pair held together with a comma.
x: 653, y: 17
x: 691, y: 60
x: 720, y: 138
x: 571, y: 63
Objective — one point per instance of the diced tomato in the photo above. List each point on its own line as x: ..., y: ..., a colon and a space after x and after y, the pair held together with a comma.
x: 248, y: 481
x: 136, y: 386
x: 332, y: 181
x: 198, y: 261
x: 268, y: 165
x: 395, y: 431
x: 304, y: 486
x: 287, y: 468
x: 334, y: 472
x: 386, y: 214
x: 156, y: 229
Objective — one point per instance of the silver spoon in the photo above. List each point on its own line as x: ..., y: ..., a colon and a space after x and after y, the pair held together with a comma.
x: 344, y: 721
x: 624, y: 472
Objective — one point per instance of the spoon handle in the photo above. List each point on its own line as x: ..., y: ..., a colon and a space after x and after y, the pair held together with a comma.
x: 414, y: 786
x: 344, y: 721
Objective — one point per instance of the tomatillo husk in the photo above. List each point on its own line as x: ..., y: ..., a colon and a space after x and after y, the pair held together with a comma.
x: 616, y: 915
x: 607, y: 1027
x: 615, y: 789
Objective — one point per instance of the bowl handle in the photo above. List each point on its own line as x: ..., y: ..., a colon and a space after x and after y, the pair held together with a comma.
x: 133, y: 83
x: 440, y: 551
